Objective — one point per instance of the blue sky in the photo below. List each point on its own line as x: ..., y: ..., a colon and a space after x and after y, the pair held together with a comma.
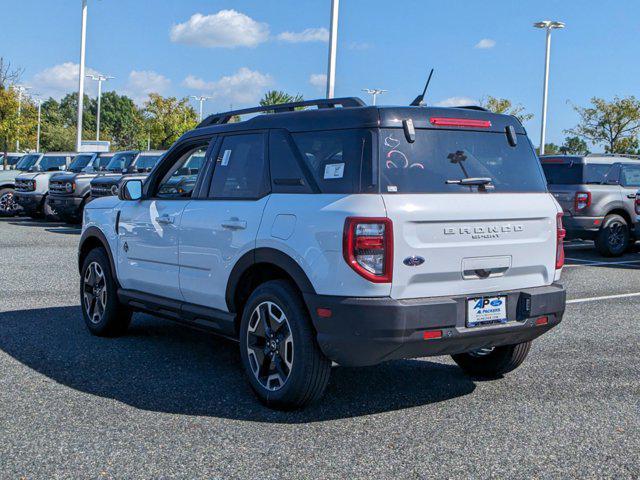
x: 235, y: 50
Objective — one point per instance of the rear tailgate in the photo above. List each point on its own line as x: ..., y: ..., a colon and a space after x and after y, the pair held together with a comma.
x: 471, y: 243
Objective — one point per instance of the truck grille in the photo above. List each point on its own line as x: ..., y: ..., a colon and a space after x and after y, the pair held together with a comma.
x: 58, y: 188
x: 103, y: 191
x: 25, y: 185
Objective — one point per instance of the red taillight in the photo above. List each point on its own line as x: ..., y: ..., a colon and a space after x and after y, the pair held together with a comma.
x: 324, y: 312
x: 432, y: 334
x: 459, y: 122
x: 542, y: 321
x: 367, y: 247
x: 637, y: 203
x: 560, y: 234
x: 582, y: 200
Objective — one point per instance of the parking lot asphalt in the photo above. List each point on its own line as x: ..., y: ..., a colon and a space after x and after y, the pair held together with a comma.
x: 168, y: 402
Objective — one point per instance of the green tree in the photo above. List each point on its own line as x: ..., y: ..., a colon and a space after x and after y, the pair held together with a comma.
x: 58, y: 130
x: 8, y: 118
x: 614, y: 124
x: 505, y: 106
x: 167, y: 119
x: 574, y: 146
x: 549, y: 149
x: 276, y: 97
x: 121, y: 121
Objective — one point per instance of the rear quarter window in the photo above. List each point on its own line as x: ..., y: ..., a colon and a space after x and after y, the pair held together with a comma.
x: 339, y: 160
x: 576, y: 173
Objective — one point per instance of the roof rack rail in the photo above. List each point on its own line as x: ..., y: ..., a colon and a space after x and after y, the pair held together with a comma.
x: 624, y: 155
x: 473, y: 107
x: 224, y: 117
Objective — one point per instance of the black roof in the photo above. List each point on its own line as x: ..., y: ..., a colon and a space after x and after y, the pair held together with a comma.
x: 352, y: 114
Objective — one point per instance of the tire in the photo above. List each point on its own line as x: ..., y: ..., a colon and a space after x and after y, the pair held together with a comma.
x: 286, y: 369
x: 47, y: 211
x: 613, y: 238
x: 8, y: 205
x: 492, y: 363
x: 103, y: 314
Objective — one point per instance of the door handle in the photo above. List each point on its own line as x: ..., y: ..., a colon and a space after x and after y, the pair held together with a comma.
x: 165, y: 219
x: 234, y: 224
x: 631, y: 195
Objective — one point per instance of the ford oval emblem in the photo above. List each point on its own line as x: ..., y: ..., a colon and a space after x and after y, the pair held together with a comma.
x: 413, y: 261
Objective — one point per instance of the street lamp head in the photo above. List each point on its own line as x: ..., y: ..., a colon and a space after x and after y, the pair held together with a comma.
x: 549, y: 24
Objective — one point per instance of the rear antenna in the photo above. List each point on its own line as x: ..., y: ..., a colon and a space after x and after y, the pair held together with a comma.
x: 420, y: 98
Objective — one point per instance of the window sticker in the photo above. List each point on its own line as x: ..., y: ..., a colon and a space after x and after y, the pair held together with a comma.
x: 392, y: 188
x: 333, y: 170
x: 226, y: 156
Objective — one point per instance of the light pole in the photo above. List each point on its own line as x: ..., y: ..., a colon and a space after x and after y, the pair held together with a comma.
x: 39, y: 100
x: 83, y: 41
x: 547, y: 25
x: 21, y: 90
x: 374, y: 92
x: 333, y: 44
x: 99, y: 78
x: 201, y: 99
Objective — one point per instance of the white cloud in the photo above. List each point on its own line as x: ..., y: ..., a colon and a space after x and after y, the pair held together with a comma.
x: 244, y: 86
x: 359, y: 46
x: 143, y: 82
x: 485, y: 43
x: 457, y: 102
x: 307, y: 35
x: 318, y: 80
x: 60, y: 79
x: 227, y: 28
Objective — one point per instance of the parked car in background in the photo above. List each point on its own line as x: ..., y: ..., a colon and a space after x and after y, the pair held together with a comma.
x: 32, y: 187
x: 597, y: 193
x: 11, y: 160
x: 8, y: 204
x: 355, y: 235
x: 69, y: 191
x: 142, y: 164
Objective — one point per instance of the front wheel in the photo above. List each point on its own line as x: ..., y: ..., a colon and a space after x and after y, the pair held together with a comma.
x: 103, y: 314
x: 614, y: 236
x: 493, y: 362
x: 279, y: 351
x: 8, y: 205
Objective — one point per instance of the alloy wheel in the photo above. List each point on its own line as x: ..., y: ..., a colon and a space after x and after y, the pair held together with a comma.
x: 616, y: 235
x: 270, y: 345
x: 8, y: 203
x: 94, y: 292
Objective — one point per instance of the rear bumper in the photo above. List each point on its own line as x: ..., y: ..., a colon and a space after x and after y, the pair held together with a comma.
x: 66, y: 207
x: 581, y: 227
x: 30, y: 202
x: 366, y: 331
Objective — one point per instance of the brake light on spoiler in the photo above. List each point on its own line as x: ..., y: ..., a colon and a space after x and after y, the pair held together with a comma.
x: 459, y: 122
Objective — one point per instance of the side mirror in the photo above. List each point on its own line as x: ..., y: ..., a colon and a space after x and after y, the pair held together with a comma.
x: 131, y: 190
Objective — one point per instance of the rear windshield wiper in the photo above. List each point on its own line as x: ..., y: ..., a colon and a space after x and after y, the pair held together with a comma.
x: 483, y: 183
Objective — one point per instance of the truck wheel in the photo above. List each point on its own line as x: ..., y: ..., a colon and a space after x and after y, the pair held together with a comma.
x: 8, y: 205
x: 613, y: 238
x: 278, y: 347
x: 493, y: 362
x: 103, y: 314
x: 47, y: 211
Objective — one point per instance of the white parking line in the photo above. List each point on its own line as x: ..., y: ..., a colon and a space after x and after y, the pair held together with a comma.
x: 605, y: 297
x: 589, y: 263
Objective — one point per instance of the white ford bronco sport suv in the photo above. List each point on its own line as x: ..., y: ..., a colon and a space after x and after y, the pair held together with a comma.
x: 355, y: 235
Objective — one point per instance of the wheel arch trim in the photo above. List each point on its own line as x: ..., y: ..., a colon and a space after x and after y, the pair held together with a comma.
x: 92, y: 234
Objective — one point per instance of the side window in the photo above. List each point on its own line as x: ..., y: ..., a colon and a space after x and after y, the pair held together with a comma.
x: 630, y: 176
x: 53, y: 162
x: 335, y: 158
x: 286, y: 174
x: 240, y: 168
x: 180, y: 180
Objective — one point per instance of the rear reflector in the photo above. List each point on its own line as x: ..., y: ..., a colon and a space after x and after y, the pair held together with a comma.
x: 459, y: 122
x: 324, y: 312
x: 542, y: 321
x: 432, y: 334
x: 560, y: 234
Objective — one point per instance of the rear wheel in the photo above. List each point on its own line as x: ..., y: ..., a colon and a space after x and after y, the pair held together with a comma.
x: 493, y: 362
x: 279, y: 351
x: 613, y: 238
x: 103, y: 314
x: 8, y: 205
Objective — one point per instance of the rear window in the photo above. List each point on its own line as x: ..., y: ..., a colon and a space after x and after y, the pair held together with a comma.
x: 440, y: 156
x: 335, y: 159
x: 575, y: 173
